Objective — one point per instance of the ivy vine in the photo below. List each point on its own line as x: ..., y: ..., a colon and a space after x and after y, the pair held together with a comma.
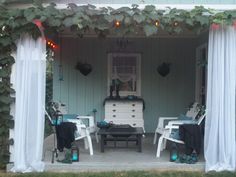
x: 82, y: 20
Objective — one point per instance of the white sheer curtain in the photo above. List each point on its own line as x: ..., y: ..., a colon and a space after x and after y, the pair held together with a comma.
x: 220, y: 149
x: 30, y: 102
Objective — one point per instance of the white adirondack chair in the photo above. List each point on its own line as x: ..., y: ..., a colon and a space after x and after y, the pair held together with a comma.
x: 166, y: 135
x: 192, y: 112
x: 92, y: 127
x: 90, y: 121
x: 83, y: 133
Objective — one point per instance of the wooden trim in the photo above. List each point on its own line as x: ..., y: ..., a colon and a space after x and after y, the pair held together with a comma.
x: 198, y: 80
x: 159, y: 6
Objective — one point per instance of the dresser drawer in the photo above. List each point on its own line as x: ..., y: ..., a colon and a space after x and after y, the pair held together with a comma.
x: 111, y: 115
x: 126, y: 105
x: 122, y: 110
x: 137, y: 123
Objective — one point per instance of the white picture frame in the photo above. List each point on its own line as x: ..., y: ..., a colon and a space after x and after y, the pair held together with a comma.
x: 137, y: 88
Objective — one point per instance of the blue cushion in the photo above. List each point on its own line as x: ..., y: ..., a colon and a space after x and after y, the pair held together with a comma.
x: 175, y: 134
x: 69, y: 116
x: 180, y: 117
x: 184, y: 117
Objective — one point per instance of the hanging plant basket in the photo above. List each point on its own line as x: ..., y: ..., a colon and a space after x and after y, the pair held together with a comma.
x: 84, y: 68
x: 164, y: 69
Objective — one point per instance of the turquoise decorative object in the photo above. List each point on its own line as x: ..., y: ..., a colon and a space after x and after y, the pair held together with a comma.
x: 74, y: 153
x: 174, y: 153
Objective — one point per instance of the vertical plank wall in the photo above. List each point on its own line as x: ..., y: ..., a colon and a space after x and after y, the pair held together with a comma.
x: 163, y: 96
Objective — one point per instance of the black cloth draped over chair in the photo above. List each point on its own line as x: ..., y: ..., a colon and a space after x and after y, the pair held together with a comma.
x: 65, y: 135
x: 192, y: 136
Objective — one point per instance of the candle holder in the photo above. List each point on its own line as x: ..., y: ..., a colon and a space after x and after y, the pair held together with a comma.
x: 111, y: 91
x: 117, y: 91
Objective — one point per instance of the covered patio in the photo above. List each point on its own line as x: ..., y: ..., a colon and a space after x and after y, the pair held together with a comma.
x: 163, y: 96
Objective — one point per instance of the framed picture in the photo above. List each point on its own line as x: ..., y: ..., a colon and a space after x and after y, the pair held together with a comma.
x: 124, y: 73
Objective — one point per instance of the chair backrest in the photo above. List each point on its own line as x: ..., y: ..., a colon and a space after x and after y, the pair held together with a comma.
x: 49, y: 117
x: 201, y: 118
x: 81, y: 128
x: 193, y: 111
x: 87, y: 120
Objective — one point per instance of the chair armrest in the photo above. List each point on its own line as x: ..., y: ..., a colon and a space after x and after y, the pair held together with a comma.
x: 82, y: 131
x: 92, y: 129
x: 179, y: 122
x: 168, y: 130
x: 77, y: 122
x: 162, y: 119
x: 171, y: 127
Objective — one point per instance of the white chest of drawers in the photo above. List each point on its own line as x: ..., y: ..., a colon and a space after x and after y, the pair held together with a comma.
x: 124, y: 112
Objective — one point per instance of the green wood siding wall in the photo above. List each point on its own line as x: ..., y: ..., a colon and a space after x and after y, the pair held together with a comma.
x: 164, y: 96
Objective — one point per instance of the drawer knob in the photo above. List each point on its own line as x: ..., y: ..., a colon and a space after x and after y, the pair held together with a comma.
x: 114, y: 110
x: 133, y: 115
x: 114, y: 116
x: 114, y: 104
x: 134, y: 124
x: 133, y: 104
x: 133, y: 110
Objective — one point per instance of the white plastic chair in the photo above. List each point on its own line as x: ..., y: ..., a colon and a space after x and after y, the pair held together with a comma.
x: 166, y: 135
x: 83, y: 133
x: 91, y: 125
x: 192, y: 112
x: 90, y: 120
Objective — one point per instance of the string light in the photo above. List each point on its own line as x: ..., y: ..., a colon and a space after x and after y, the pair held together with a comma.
x: 51, y: 44
x: 175, y: 24
x: 117, y: 24
x: 157, y: 23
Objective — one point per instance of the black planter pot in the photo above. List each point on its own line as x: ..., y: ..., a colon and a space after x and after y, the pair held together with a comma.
x: 84, y: 68
x: 164, y: 69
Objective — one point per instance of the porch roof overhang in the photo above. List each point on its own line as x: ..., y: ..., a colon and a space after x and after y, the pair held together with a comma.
x: 118, y: 4
x: 132, y: 19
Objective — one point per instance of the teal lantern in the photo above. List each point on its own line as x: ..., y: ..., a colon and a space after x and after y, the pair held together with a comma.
x: 74, y: 153
x: 174, y: 153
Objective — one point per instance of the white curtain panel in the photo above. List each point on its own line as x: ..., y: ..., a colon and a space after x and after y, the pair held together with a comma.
x: 219, y: 147
x: 30, y: 102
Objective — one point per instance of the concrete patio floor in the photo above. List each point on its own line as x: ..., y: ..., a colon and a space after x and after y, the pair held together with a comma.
x: 117, y: 159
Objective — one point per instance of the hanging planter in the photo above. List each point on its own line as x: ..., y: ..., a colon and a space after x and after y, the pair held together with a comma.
x: 84, y: 68
x: 164, y: 69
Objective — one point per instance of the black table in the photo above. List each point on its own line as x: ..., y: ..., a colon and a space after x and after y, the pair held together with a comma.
x: 121, y: 135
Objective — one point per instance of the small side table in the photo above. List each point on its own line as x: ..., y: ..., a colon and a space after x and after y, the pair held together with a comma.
x: 121, y: 135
